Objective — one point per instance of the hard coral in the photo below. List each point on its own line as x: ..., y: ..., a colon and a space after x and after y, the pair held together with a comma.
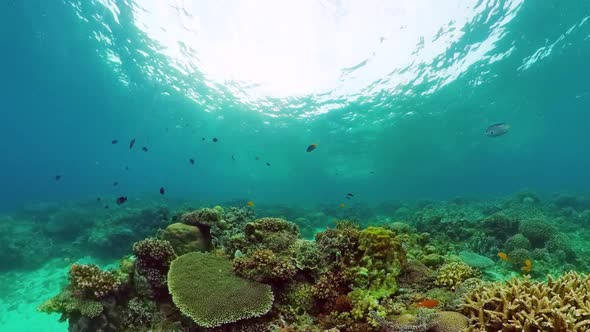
x: 89, y: 281
x: 271, y: 233
x: 521, y: 304
x: 517, y: 241
x: 453, y: 273
x: 383, y: 258
x: 153, y: 260
x: 340, y: 245
x: 69, y: 305
x: 538, y: 231
x: 264, y: 266
x: 200, y: 284
x: 184, y: 238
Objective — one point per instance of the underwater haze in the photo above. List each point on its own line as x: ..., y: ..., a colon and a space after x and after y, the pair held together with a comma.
x: 120, y: 115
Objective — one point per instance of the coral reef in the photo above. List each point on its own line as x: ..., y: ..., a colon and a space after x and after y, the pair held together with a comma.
x: 200, y: 284
x: 89, y: 281
x: 453, y: 273
x: 184, y: 238
x: 153, y: 261
x: 522, y: 304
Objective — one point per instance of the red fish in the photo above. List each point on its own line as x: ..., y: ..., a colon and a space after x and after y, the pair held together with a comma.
x: 428, y: 303
x: 132, y: 143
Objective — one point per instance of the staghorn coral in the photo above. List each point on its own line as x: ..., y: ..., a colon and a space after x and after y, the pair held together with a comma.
x: 90, y: 282
x: 453, y: 273
x: 200, y: 283
x: 521, y: 304
x: 264, y: 266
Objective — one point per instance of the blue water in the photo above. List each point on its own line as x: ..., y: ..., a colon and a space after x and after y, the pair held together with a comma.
x: 391, y: 121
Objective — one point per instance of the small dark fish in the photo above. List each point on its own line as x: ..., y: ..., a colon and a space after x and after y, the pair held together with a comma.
x: 257, y: 158
x: 57, y: 177
x: 497, y: 129
x: 115, y: 184
x: 126, y: 168
x: 232, y: 157
x: 349, y: 194
x: 121, y: 200
x: 144, y: 149
x: 372, y: 172
x: 162, y: 190
x: 347, y: 197
x: 311, y: 147
x: 114, y: 141
x: 267, y: 164
x: 192, y: 161
x: 202, y: 139
x: 215, y: 140
x: 98, y: 199
x: 132, y: 143
x: 166, y: 129
x: 106, y: 206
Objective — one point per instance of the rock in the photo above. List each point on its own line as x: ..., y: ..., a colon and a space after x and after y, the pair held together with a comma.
x: 185, y: 238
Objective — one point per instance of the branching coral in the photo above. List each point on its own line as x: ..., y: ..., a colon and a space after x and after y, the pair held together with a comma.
x: 205, y: 289
x: 520, y: 304
x: 453, y: 273
x: 89, y: 281
x: 264, y: 266
x: 153, y: 260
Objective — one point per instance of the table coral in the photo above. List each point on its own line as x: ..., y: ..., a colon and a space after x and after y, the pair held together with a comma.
x: 200, y: 285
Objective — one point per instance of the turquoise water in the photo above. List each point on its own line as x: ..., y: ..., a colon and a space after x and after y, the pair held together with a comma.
x: 397, y: 97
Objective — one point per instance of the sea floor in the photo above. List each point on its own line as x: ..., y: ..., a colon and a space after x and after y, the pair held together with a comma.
x: 22, y: 292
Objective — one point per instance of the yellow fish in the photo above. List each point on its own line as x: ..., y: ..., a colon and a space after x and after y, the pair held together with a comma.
x: 342, y: 205
x: 250, y: 203
x: 528, y: 265
x: 503, y: 256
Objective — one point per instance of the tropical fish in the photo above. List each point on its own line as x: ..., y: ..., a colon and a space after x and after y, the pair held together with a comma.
x: 162, y: 191
x: 115, y: 183
x: 132, y: 143
x: 347, y: 197
x: 250, y: 203
x: 503, y: 256
x: 232, y: 157
x: 144, y: 149
x: 215, y: 140
x: 121, y: 200
x: 114, y: 141
x: 311, y: 147
x: 202, y: 139
x: 428, y: 303
x: 527, y: 266
x: 342, y: 205
x: 267, y: 164
x: 349, y: 194
x: 192, y: 161
x: 57, y: 177
x: 497, y: 129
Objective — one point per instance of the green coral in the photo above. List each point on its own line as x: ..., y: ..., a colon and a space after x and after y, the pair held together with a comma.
x: 365, y: 306
x: 264, y: 265
x: 451, y: 274
x: 68, y: 305
x: 271, y: 233
x: 184, y: 238
x: 306, y: 255
x: 205, y: 289
x: 517, y: 241
x: 382, y: 261
x: 538, y: 231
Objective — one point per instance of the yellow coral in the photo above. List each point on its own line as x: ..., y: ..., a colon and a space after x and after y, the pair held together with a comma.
x: 453, y: 273
x: 521, y: 304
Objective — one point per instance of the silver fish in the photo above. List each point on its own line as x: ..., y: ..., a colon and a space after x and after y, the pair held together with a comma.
x: 497, y: 129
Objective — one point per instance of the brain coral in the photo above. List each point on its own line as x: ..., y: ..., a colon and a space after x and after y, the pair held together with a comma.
x: 205, y: 289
